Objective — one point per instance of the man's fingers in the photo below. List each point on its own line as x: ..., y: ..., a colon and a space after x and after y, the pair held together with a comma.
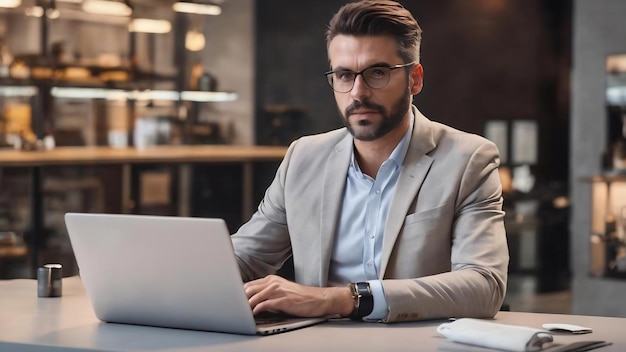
x: 258, y: 293
x: 270, y: 304
x: 253, y: 287
x: 268, y: 293
x: 276, y: 293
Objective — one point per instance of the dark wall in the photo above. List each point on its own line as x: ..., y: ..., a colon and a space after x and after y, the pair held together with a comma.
x: 483, y: 59
x: 291, y: 57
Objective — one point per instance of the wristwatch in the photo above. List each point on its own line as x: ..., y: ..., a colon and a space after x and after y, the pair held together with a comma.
x: 363, y: 300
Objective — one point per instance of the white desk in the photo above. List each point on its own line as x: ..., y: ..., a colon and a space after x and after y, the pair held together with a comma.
x: 29, y: 323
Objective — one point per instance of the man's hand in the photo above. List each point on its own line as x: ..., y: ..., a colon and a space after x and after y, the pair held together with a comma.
x: 276, y: 293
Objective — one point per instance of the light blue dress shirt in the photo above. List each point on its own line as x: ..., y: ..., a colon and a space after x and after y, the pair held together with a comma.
x: 358, y: 244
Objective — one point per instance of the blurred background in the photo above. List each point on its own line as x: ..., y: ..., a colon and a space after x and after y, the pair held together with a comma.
x: 90, y: 90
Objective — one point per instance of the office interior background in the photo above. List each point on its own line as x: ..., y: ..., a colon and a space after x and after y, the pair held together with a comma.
x: 531, y: 75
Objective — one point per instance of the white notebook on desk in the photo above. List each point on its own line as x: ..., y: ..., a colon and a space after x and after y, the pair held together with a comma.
x: 165, y: 271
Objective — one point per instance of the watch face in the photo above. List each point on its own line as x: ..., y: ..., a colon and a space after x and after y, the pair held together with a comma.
x: 364, y: 286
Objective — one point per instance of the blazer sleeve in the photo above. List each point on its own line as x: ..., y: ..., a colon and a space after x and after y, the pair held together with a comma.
x: 262, y: 245
x: 476, y: 284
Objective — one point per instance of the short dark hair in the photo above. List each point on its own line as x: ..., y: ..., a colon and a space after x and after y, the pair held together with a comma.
x: 379, y: 17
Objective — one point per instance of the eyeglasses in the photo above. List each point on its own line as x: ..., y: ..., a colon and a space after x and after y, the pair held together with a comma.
x: 376, y: 77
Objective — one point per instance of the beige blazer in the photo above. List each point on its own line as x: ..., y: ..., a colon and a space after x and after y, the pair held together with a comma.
x: 444, y: 246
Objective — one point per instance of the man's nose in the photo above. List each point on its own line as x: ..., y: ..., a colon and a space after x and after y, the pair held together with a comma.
x: 360, y: 88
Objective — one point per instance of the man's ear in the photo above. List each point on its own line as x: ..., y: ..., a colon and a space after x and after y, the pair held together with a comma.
x: 416, y: 79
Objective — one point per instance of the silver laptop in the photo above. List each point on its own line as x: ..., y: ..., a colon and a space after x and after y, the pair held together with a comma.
x: 165, y: 271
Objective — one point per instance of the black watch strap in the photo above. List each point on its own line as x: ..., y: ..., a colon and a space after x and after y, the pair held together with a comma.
x: 363, y: 300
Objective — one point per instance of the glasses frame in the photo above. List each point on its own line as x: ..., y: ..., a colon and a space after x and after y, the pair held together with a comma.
x: 330, y: 79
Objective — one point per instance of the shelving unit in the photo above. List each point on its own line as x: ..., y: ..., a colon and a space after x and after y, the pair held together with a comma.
x: 91, y: 171
x: 608, y: 232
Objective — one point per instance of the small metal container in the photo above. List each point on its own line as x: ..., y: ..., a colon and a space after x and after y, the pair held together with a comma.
x: 49, y: 282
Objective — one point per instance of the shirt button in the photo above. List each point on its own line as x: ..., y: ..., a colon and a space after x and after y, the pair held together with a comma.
x: 371, y: 235
x: 377, y: 191
x: 369, y: 263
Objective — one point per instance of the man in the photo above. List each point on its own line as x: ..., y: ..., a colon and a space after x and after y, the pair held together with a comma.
x: 394, y: 217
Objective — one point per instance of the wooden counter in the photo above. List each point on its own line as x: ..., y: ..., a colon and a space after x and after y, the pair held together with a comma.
x: 183, y: 156
x: 157, y: 154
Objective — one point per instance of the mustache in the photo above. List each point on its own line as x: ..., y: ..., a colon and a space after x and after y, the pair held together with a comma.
x: 363, y: 104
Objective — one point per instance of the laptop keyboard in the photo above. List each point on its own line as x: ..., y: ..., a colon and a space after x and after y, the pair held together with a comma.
x: 270, y: 317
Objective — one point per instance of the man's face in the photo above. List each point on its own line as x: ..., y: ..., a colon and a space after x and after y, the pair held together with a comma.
x: 368, y: 113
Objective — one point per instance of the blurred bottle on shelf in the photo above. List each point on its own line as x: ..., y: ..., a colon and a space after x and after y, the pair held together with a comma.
x: 200, y: 79
x: 6, y: 59
x: 614, y: 157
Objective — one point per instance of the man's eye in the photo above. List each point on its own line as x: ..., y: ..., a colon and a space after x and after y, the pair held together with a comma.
x: 377, y: 72
x: 344, y: 75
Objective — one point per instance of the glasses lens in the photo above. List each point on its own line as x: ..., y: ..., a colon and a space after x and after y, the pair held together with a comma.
x: 377, y: 77
x: 330, y: 80
x: 341, y: 81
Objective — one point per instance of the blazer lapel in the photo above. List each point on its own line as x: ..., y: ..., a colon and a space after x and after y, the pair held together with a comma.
x: 412, y: 174
x: 332, y: 195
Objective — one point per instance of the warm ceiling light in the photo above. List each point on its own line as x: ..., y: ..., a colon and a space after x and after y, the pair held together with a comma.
x: 146, y: 25
x: 104, y: 7
x: 53, y: 13
x: 34, y: 11
x: 38, y: 11
x: 194, y: 41
x: 201, y: 9
x: 10, y: 3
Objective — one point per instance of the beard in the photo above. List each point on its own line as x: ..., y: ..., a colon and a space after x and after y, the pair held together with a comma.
x: 371, y: 131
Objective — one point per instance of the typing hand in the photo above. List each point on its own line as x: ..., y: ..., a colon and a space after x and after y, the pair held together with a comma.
x: 276, y: 293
